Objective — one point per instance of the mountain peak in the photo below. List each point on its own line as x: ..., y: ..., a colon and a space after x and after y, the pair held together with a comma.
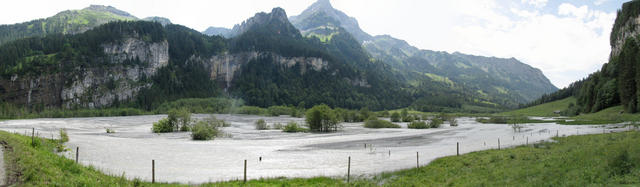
x: 323, y: 8
x: 279, y: 13
x: 322, y: 4
x: 277, y: 20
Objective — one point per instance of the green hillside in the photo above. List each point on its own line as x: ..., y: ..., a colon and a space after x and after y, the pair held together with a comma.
x: 66, y: 22
x: 544, y: 110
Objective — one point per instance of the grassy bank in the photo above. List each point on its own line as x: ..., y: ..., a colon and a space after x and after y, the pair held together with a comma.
x: 607, y: 116
x: 543, y: 110
x: 604, y: 159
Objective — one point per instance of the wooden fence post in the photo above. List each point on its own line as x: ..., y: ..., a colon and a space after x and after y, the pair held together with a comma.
x: 457, y: 148
x: 498, y: 143
x: 33, y: 132
x: 153, y: 171
x: 77, y: 154
x: 349, y: 170
x: 245, y: 171
x: 417, y: 160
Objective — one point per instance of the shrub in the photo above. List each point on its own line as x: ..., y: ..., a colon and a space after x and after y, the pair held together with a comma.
x: 109, y: 131
x: 395, y: 117
x: 498, y: 119
x: 64, y: 137
x: 213, y: 121
x: 204, y: 131
x: 277, y: 126
x: 380, y: 124
x: 208, y: 128
x: 364, y: 113
x: 184, y: 128
x: 293, y: 127
x: 348, y: 115
x: 321, y: 118
x: 408, y: 119
x: 384, y: 114
x: 199, y: 105
x: 261, y: 125
x: 404, y: 113
x: 180, y: 119
x: 435, y: 123
x: 250, y: 110
x: 453, y: 122
x: 162, y: 126
x: 418, y: 125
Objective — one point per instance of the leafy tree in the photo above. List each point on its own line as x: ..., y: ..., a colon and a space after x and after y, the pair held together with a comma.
x: 395, y: 117
x: 321, y: 118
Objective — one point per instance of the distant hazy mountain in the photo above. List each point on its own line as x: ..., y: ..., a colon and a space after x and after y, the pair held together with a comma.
x: 161, y: 20
x: 220, y: 31
x: 497, y: 77
x: 66, y: 22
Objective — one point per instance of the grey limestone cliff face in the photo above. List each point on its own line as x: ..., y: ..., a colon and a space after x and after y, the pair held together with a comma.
x: 629, y: 29
x: 102, y: 87
x: 224, y: 67
x: 94, y: 87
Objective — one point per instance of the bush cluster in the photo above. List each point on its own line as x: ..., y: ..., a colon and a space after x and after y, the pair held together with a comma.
x: 380, y: 124
x: 177, y: 120
x: 207, y: 129
x: 294, y: 127
x: 261, y: 125
x: 418, y: 125
x: 321, y: 118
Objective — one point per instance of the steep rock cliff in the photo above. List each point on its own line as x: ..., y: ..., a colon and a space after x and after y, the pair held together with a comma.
x: 95, y: 86
x: 223, y: 67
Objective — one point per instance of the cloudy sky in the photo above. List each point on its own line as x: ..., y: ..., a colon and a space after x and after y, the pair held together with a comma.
x: 566, y: 39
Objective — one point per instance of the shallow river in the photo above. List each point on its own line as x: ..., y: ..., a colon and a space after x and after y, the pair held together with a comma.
x: 179, y: 159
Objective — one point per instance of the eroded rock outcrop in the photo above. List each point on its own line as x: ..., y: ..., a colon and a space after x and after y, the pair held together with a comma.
x: 130, y: 62
x: 224, y: 68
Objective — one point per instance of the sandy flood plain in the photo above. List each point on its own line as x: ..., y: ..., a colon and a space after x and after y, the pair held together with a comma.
x: 130, y: 150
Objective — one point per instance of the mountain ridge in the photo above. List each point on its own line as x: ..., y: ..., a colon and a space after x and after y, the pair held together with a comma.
x: 404, y: 57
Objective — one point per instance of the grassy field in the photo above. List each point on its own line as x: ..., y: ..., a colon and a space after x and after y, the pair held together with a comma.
x: 543, y: 110
x: 604, y: 159
x: 606, y: 116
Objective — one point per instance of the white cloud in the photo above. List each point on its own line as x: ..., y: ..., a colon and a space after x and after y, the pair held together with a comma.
x: 536, y: 3
x: 566, y: 9
x: 599, y: 2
